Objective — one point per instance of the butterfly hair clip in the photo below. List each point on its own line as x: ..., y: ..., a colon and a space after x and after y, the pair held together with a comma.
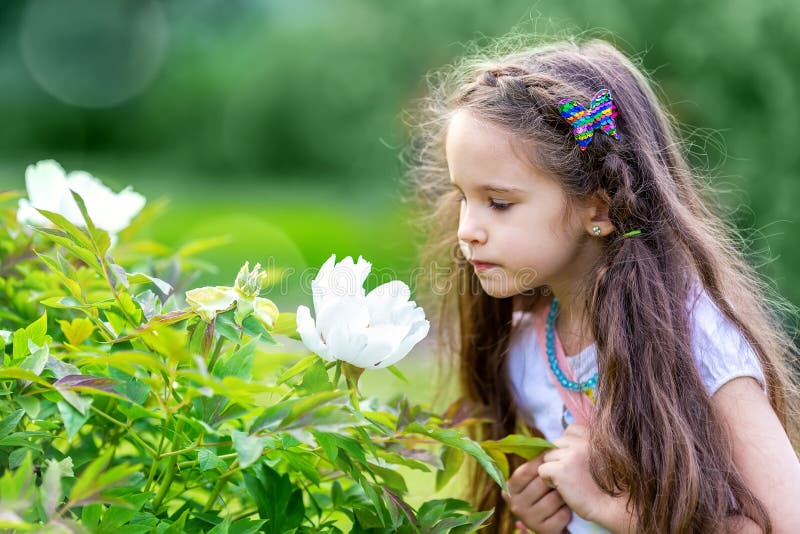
x: 601, y: 114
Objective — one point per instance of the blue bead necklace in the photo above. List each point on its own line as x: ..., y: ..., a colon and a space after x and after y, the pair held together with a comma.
x: 587, y: 385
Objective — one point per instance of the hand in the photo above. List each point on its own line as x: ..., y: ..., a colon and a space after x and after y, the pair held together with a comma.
x: 566, y: 470
x: 536, y: 505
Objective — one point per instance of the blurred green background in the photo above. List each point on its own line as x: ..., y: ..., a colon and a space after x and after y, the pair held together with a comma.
x: 279, y: 122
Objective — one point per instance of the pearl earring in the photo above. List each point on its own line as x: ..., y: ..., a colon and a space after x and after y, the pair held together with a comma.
x: 596, y: 230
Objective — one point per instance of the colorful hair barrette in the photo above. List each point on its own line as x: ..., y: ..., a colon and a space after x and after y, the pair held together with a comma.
x: 601, y: 114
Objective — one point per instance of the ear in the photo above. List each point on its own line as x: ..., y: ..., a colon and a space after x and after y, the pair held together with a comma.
x: 595, y: 213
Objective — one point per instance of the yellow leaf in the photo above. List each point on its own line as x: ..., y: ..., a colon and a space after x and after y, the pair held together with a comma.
x: 77, y: 331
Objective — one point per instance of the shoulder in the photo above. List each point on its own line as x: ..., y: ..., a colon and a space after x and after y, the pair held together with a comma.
x: 721, y: 351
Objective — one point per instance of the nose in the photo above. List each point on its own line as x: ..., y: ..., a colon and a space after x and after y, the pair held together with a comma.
x: 470, y: 228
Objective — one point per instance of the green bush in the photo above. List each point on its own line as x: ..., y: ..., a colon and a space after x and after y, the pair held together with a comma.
x: 124, y: 410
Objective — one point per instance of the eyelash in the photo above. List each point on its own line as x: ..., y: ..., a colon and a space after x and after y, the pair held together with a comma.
x: 493, y: 204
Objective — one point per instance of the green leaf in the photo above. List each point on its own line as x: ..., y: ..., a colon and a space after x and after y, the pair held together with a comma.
x: 37, y: 330
x: 73, y: 419
x: 22, y: 374
x: 73, y: 286
x: 130, y: 361
x: 239, y: 364
x: 52, y: 493
x: 390, y: 477
x: 9, y: 423
x: 277, y: 499
x: 20, y: 484
x: 61, y: 238
x: 23, y: 439
x: 297, y: 368
x: 70, y: 303
x: 98, y: 477
x: 396, y: 372
x: 307, y: 404
x: 454, y: 439
x: 286, y: 325
x: 286, y: 411
x: 36, y: 361
x: 452, y: 459
x: 208, y: 460
x: 501, y: 460
x: 332, y: 442
x: 78, y: 235
x: 300, y: 462
x: 254, y: 328
x: 524, y: 446
x: 142, y: 278
x: 248, y: 448
x: 100, y: 238
x: 90, y: 515
x: 316, y: 378
x: 20, y: 341
x: 226, y: 327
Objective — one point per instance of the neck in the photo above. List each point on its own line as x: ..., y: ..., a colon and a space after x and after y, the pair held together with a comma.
x: 572, y: 326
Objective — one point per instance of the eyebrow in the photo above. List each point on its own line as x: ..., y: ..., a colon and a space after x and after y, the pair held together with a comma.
x: 493, y: 188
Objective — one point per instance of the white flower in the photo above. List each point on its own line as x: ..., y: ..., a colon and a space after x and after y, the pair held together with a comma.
x: 369, y: 331
x: 49, y: 189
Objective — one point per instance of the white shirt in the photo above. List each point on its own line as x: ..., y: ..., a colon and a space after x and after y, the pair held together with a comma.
x: 721, y: 354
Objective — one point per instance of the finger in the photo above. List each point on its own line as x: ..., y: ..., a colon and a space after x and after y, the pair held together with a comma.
x: 575, y: 430
x: 504, y: 494
x: 548, y: 472
x: 521, y: 527
x: 522, y: 475
x: 553, y: 455
x: 559, y: 519
x: 545, y: 507
x: 533, y: 492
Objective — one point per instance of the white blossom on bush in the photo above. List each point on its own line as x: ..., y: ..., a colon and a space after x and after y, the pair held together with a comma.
x: 48, y: 188
x: 366, y: 330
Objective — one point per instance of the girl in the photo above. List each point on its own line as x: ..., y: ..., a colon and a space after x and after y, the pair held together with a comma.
x: 597, y: 297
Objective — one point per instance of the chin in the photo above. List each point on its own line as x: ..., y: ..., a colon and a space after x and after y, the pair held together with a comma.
x: 498, y: 289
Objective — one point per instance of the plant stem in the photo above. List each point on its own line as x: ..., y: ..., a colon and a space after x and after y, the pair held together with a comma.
x: 169, y: 472
x: 337, y: 374
x: 215, y: 355
x: 223, y: 479
x: 132, y: 435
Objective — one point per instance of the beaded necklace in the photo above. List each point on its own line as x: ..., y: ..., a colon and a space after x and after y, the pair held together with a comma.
x: 586, y: 386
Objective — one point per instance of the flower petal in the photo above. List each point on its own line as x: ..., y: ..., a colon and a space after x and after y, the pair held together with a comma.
x: 418, y: 332
x: 320, y: 284
x: 47, y: 190
x: 208, y: 301
x: 110, y: 211
x: 46, y: 184
x: 309, y: 334
x: 343, y: 324
x: 383, y: 340
x: 265, y: 311
x: 388, y: 302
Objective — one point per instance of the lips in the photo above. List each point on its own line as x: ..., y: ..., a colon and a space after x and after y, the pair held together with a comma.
x: 481, y: 266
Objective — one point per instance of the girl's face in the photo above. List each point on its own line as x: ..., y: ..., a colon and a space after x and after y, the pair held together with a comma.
x: 513, y: 221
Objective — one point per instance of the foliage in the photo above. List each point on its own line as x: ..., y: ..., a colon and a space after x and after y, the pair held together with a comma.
x: 124, y: 410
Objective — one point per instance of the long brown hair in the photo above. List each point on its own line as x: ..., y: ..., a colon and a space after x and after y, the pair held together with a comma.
x: 655, y: 435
